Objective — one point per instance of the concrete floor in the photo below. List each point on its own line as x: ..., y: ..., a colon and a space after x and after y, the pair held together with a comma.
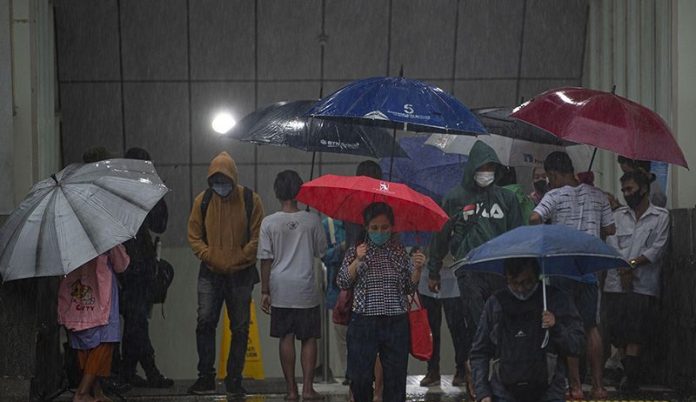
x: 273, y: 389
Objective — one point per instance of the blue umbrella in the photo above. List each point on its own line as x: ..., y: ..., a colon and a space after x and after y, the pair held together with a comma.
x: 561, y: 251
x: 428, y: 171
x: 399, y: 103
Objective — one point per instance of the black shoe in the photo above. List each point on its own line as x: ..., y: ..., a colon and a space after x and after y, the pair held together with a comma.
x: 235, y: 388
x: 159, y: 381
x: 346, y: 381
x: 135, y: 380
x: 203, y: 386
x: 114, y: 385
x: 628, y: 387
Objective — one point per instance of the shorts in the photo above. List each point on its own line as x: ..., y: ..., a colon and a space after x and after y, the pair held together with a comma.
x: 630, y: 318
x: 96, y: 361
x: 584, y: 295
x: 304, y: 323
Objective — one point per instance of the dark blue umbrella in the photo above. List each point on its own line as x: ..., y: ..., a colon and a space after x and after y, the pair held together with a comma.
x: 428, y: 171
x: 399, y: 103
x: 560, y: 250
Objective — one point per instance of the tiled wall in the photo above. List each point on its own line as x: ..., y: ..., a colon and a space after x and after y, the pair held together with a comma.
x: 150, y: 73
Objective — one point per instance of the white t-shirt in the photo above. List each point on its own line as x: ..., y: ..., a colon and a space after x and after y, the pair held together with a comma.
x: 292, y: 241
x: 583, y: 207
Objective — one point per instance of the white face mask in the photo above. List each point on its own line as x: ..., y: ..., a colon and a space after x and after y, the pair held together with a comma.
x: 484, y: 179
x: 524, y: 295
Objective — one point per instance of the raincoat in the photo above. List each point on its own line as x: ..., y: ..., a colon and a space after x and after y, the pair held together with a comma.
x: 476, y: 214
x: 227, y: 249
x: 84, y: 295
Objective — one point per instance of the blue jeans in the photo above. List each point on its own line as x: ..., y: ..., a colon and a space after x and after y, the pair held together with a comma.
x: 390, y: 337
x: 235, y: 291
x: 456, y: 322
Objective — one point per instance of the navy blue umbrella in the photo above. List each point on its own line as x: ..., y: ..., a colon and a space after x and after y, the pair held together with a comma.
x: 427, y: 170
x: 560, y: 250
x: 399, y: 103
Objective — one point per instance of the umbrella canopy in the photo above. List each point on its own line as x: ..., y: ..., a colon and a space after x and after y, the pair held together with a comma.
x: 76, y: 215
x: 285, y: 124
x: 603, y: 120
x: 399, y: 103
x: 510, y: 151
x: 497, y: 120
x: 345, y: 198
x: 560, y: 250
x: 427, y: 169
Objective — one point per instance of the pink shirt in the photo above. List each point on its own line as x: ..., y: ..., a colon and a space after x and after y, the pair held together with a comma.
x: 84, y: 295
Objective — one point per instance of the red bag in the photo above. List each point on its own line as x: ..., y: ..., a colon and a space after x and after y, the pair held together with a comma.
x: 343, y: 307
x: 421, y: 336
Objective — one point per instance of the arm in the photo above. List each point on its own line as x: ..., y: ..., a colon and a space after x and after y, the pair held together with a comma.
x: 608, y: 226
x: 535, y: 219
x: 320, y: 243
x: 119, y: 258
x: 249, y: 249
x: 544, y: 210
x: 266, y: 285
x: 195, y: 232
x: 348, y: 272
x: 439, y: 247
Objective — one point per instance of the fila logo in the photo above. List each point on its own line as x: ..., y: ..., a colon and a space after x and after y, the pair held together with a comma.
x: 495, y: 212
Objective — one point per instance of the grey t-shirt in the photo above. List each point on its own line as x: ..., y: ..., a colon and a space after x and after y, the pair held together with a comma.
x: 292, y: 241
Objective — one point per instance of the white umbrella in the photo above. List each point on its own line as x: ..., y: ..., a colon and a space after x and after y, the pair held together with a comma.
x: 77, y: 214
x: 511, y: 151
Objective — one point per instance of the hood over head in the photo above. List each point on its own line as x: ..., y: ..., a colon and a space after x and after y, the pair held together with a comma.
x: 480, y: 154
x: 223, y: 163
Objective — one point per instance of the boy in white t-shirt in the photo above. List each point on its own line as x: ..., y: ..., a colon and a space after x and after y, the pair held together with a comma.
x: 289, y: 241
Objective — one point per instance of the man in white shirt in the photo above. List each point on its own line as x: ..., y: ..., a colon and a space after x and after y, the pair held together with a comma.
x: 585, y: 208
x: 642, y: 231
x: 289, y: 241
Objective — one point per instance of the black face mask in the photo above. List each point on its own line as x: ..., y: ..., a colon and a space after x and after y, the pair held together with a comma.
x: 541, y: 186
x: 633, y: 200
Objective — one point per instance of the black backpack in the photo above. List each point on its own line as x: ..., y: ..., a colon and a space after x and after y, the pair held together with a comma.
x: 522, y: 361
x: 164, y: 275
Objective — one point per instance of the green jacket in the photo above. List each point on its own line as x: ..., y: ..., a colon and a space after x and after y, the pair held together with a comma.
x: 526, y: 204
x: 476, y: 214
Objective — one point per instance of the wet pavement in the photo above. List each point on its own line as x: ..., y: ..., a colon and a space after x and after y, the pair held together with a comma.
x: 273, y: 390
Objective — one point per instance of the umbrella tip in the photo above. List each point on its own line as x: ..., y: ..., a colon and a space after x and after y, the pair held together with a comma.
x: 401, y: 71
x: 53, y: 176
x: 613, y: 89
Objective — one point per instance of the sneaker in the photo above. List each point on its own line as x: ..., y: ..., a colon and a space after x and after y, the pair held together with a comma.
x: 114, y: 386
x: 135, y: 380
x: 159, y: 381
x: 459, y: 379
x: 235, y: 388
x: 431, y: 379
x: 203, y: 386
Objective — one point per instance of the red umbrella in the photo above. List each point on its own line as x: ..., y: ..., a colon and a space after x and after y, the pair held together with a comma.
x: 345, y: 198
x: 605, y: 120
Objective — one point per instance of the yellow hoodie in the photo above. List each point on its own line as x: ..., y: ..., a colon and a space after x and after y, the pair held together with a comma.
x: 227, y: 250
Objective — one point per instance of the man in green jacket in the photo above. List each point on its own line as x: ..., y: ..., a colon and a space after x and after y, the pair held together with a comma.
x: 479, y: 210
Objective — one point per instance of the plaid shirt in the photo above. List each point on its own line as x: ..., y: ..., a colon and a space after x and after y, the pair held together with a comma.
x: 383, y: 279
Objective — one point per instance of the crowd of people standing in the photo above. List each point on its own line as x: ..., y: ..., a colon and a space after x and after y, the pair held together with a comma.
x: 229, y: 233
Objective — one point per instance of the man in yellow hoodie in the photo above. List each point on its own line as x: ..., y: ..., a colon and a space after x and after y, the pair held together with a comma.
x: 223, y: 230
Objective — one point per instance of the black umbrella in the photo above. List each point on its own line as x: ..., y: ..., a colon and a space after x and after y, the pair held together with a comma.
x: 497, y: 120
x: 284, y: 124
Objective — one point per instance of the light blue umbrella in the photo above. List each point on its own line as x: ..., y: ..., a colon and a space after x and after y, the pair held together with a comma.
x: 560, y: 250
